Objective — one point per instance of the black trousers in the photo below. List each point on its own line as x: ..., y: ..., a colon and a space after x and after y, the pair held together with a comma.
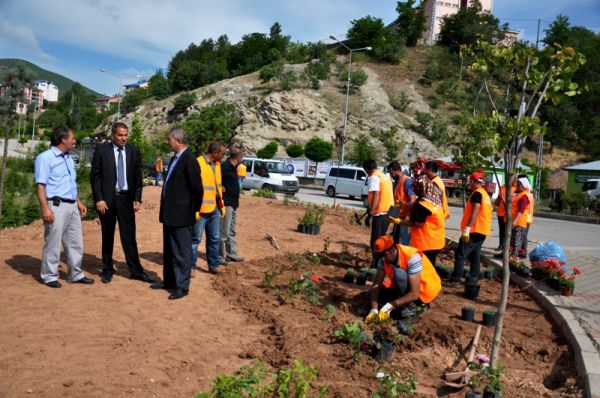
x: 121, y: 211
x: 470, y: 251
x: 432, y: 255
x: 501, y: 231
x: 379, y: 227
x: 177, y: 256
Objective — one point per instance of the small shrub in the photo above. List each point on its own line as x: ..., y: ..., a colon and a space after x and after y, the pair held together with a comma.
x: 182, y: 102
x: 270, y: 72
x: 209, y: 93
x: 576, y: 201
x: 304, y: 287
x: 265, y: 193
x: 331, y: 310
x: 268, y: 151
x: 400, y: 103
x: 288, y: 81
x: 396, y: 385
x: 351, y: 333
x: 294, y: 150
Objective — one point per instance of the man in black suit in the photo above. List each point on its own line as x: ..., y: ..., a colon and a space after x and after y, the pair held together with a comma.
x: 180, y: 200
x: 116, y: 178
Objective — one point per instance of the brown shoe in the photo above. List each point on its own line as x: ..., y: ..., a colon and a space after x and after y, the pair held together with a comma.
x: 216, y: 270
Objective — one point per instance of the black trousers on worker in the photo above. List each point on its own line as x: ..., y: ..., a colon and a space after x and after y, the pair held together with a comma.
x: 432, y: 255
x: 121, y: 211
x: 501, y: 231
x: 379, y: 227
x: 471, y: 251
x: 177, y: 257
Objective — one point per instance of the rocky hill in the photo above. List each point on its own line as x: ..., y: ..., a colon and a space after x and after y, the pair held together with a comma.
x: 296, y: 115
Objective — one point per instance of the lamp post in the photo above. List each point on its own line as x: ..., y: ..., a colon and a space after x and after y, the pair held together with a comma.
x: 35, y: 105
x: 103, y: 70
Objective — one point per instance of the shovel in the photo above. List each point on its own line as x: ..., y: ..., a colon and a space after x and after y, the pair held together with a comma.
x: 460, y: 379
x: 357, y: 218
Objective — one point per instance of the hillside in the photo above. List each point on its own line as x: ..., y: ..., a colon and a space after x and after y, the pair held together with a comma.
x: 63, y: 83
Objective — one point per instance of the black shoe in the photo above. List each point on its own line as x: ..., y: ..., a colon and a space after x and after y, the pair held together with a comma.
x: 235, y: 259
x: 53, y: 284
x: 222, y: 261
x: 143, y: 277
x: 106, y: 277
x: 85, y: 280
x: 178, y: 294
x: 158, y: 285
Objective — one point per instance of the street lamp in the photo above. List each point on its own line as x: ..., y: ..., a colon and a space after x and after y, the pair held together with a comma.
x: 103, y: 70
x: 350, y: 51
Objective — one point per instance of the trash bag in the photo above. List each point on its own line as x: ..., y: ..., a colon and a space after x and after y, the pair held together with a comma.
x: 548, y: 251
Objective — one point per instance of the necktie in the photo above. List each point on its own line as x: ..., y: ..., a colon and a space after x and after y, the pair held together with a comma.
x: 120, y: 170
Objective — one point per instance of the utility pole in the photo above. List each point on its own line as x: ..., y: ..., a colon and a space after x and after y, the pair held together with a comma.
x: 537, y: 36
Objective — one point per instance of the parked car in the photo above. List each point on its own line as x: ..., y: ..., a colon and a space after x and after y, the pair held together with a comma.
x: 269, y: 174
x: 351, y: 181
x: 592, y: 188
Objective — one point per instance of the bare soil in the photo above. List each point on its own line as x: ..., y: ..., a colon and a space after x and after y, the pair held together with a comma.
x: 126, y: 339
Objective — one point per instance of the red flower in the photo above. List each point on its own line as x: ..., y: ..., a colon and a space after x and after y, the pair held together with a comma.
x: 561, y: 271
x: 576, y: 271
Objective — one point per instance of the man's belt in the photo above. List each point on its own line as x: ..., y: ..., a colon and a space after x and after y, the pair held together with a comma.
x: 59, y: 199
x: 122, y: 193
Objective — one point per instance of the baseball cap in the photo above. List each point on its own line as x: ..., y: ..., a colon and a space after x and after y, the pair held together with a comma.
x: 477, y: 176
x: 383, y: 244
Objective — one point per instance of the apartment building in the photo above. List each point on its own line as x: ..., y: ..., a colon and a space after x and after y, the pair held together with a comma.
x: 435, y: 12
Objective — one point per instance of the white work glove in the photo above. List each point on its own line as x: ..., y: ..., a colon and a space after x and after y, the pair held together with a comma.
x: 384, y: 313
x: 372, y: 314
x: 465, y: 237
x: 387, y: 308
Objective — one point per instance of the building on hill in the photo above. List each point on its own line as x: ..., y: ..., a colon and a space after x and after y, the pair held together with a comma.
x: 581, y: 173
x: 139, y: 84
x: 102, y: 104
x: 435, y: 11
x: 31, y: 95
x: 47, y: 90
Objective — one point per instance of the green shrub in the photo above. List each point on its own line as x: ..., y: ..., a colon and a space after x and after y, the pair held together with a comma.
x: 268, y: 151
x: 270, y: 72
x: 576, y: 201
x: 264, y: 193
x: 294, y: 150
x: 400, y: 103
x: 183, y: 102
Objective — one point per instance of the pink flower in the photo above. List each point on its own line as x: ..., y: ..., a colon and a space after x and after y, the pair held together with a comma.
x: 481, y: 358
x: 576, y: 271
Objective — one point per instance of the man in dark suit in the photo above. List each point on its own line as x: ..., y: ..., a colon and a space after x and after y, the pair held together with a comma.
x: 116, y: 178
x: 180, y: 200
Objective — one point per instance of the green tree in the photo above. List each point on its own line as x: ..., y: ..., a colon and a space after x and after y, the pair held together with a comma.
x: 216, y: 122
x: 470, y: 25
x: 294, y: 150
x: 158, y: 85
x: 391, y: 144
x: 318, y: 150
x: 411, y: 20
x: 183, y: 102
x: 365, y: 31
x: 137, y: 139
x: 270, y: 72
x: 362, y: 150
x: 358, y: 77
x: 51, y: 118
x: 558, y: 32
x: 268, y: 151
x: 14, y: 82
x: 133, y: 99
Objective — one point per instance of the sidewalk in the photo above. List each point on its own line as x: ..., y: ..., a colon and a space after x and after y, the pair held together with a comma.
x: 577, y: 316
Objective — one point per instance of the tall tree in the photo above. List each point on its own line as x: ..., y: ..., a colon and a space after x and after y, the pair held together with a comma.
x: 558, y: 31
x: 318, y: 150
x: 411, y: 21
x: 365, y: 32
x: 13, y: 85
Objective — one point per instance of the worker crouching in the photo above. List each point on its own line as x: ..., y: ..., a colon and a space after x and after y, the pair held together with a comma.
x: 405, y: 283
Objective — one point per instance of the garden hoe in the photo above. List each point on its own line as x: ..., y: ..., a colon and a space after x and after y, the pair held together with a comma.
x: 460, y: 379
x: 358, y: 219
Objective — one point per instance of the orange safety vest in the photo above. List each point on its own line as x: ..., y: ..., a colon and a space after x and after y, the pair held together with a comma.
x: 501, y: 208
x: 400, y: 196
x: 211, y: 183
x: 159, y: 165
x: 437, y: 180
x: 241, y: 170
x: 431, y: 284
x: 386, y: 193
x: 483, y: 222
x: 432, y: 234
x: 530, y: 214
x: 515, y: 209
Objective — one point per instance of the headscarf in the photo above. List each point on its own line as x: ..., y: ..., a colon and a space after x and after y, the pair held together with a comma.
x: 525, y: 182
x: 427, y: 190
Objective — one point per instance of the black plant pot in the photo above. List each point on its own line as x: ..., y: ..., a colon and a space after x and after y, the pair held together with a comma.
x: 468, y: 314
x: 554, y: 283
x: 361, y: 278
x: 471, y: 291
x: 489, y: 320
x: 525, y: 272
x: 383, y: 350
x: 349, y: 277
x: 371, y: 274
x: 472, y: 394
x: 489, y: 273
x: 301, y: 228
x: 489, y: 393
x: 537, y: 273
x: 317, y: 229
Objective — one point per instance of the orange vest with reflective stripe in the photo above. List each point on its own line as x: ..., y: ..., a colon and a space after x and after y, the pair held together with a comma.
x: 431, y: 284
x: 211, y: 183
x: 241, y: 170
x: 530, y: 214
x: 501, y: 208
x: 432, y: 234
x: 522, y: 222
x: 483, y: 222
x: 386, y: 193
x: 400, y: 196
x: 437, y: 180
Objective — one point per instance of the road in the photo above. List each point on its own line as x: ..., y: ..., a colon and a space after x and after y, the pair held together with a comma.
x: 572, y: 236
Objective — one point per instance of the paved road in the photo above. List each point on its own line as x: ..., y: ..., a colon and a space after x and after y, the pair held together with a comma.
x: 572, y: 236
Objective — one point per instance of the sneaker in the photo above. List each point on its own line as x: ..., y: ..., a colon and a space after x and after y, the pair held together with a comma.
x: 235, y: 259
x: 222, y: 261
x: 53, y: 284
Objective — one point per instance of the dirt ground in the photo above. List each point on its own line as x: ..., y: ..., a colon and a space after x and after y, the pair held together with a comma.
x: 126, y: 339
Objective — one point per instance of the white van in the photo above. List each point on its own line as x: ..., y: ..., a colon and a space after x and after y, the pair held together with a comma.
x: 351, y: 181
x: 269, y: 174
x: 592, y: 188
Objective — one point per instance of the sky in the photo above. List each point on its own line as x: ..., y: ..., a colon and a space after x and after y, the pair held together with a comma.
x: 128, y: 38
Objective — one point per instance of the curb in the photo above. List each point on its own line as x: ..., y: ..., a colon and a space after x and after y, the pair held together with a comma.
x: 587, y: 358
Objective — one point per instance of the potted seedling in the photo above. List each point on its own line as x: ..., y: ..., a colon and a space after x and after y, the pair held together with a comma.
x: 312, y: 220
x: 371, y: 274
x: 489, y: 273
x: 361, y: 278
x: 489, y: 318
x: 349, y: 276
x: 471, y: 288
x: 567, y: 283
x: 444, y: 271
x: 468, y: 314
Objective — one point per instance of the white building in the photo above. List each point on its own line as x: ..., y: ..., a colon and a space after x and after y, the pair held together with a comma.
x: 48, y: 90
x: 435, y: 12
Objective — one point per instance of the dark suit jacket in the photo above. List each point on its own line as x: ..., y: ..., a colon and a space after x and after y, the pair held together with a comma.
x: 104, y: 173
x: 182, y: 192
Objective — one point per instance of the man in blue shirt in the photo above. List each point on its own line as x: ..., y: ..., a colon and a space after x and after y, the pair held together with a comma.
x: 56, y: 185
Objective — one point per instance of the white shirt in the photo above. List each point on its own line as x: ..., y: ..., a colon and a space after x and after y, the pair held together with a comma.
x: 116, y: 152
x: 374, y: 183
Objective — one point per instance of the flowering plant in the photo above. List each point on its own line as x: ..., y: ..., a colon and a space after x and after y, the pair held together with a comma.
x: 485, y: 374
x: 568, y: 281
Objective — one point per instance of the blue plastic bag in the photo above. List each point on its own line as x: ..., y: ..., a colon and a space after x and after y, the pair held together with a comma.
x: 549, y: 250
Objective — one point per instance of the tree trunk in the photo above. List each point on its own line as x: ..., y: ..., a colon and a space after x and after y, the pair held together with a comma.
x: 4, y: 159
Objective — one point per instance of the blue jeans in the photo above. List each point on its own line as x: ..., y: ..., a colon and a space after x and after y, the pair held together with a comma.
x: 211, y: 222
x: 158, y: 177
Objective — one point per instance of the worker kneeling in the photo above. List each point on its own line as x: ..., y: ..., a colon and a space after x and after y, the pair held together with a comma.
x: 405, y: 283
